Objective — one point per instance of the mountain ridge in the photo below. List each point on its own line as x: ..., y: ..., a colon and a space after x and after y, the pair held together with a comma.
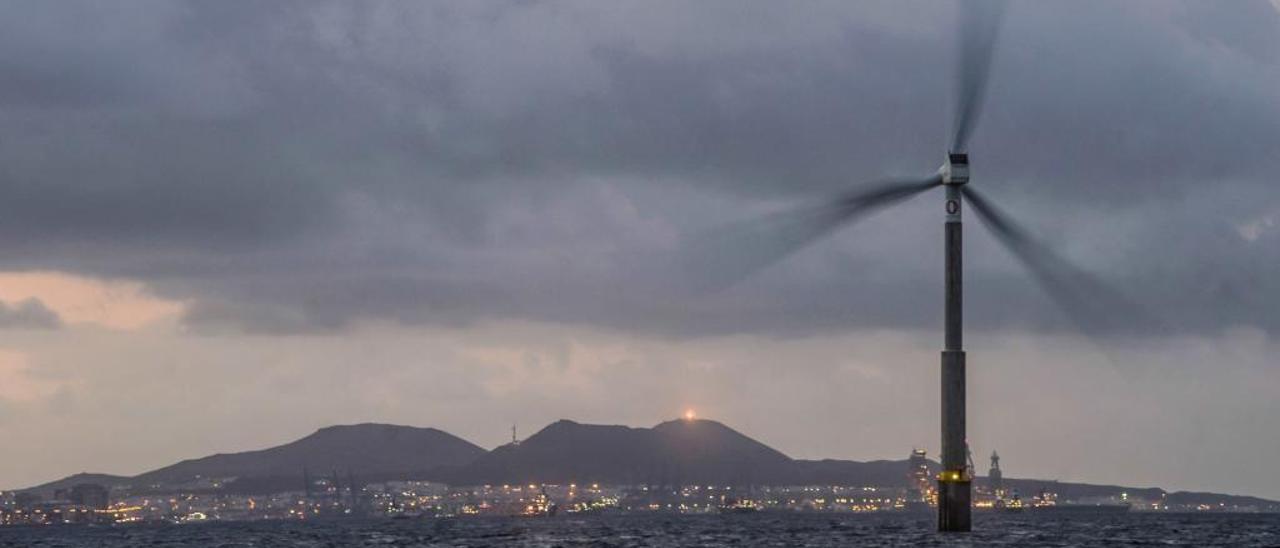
x: 372, y: 450
x: 677, y: 451
x: 406, y: 450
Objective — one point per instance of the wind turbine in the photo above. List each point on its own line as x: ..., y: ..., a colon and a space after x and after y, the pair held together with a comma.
x: 781, y: 234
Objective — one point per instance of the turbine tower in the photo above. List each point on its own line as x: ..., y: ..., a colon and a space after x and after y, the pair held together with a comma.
x: 954, y: 483
x: 979, y: 25
x: 721, y: 259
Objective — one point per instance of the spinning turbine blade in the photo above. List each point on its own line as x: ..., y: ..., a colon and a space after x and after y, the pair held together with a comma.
x: 730, y: 254
x: 1096, y: 308
x: 979, y: 29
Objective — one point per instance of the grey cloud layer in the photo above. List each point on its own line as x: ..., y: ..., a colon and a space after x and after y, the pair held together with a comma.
x: 298, y: 166
x: 28, y: 314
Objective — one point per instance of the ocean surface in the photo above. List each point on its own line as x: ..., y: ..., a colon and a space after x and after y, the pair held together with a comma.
x: 764, y: 529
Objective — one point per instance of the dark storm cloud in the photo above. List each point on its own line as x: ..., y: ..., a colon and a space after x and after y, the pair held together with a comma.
x: 293, y: 167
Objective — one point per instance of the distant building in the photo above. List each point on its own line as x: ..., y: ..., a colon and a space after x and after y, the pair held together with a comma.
x: 26, y: 500
x: 995, y: 477
x: 919, y: 482
x: 90, y: 495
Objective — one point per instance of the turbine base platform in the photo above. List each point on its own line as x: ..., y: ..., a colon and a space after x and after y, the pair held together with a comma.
x: 954, y: 511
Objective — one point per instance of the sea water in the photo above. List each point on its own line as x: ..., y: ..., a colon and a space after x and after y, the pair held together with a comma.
x: 759, y: 529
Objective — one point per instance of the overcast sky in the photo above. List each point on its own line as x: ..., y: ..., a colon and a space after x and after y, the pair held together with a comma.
x: 225, y: 224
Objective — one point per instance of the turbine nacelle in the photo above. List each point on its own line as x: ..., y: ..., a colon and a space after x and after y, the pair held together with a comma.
x: 956, y: 169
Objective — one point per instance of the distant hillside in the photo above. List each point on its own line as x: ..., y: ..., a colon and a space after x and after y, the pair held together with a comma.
x: 1030, y: 487
x: 876, y: 473
x: 697, y: 451
x: 47, y: 490
x: 381, y: 450
x: 676, y: 452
